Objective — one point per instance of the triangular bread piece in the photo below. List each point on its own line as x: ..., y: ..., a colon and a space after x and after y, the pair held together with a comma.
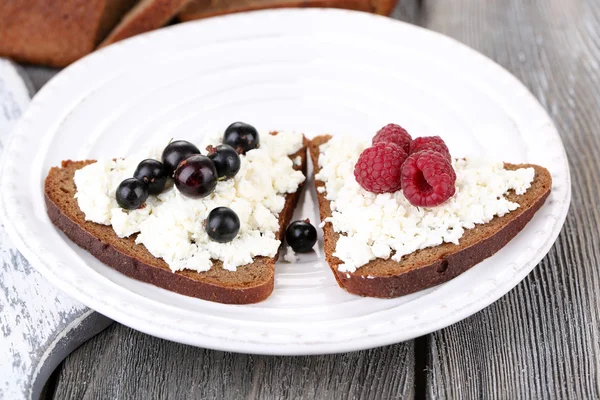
x: 147, y: 15
x: 249, y: 284
x: 432, y: 266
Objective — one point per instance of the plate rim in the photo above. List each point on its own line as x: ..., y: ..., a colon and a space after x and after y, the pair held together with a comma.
x: 148, y: 326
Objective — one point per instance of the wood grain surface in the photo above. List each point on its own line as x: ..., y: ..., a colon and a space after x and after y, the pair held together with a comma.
x: 542, y: 339
x: 539, y: 341
x: 124, y: 364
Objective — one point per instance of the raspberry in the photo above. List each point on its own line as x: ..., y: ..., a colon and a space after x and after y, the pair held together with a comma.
x: 427, y: 179
x: 434, y: 143
x: 378, y: 168
x: 395, y: 134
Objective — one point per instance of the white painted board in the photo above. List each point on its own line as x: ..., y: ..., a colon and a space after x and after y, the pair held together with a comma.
x: 39, y: 325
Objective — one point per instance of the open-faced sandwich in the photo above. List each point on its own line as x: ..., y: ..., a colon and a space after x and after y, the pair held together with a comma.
x: 205, y: 223
x: 401, y: 215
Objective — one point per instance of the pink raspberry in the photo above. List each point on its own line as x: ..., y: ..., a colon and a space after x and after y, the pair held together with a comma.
x: 427, y: 179
x: 378, y: 168
x: 395, y: 134
x: 434, y: 143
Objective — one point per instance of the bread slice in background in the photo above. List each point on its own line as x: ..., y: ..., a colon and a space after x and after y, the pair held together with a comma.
x: 432, y: 266
x: 197, y: 9
x: 147, y: 15
x: 56, y: 32
x: 249, y: 284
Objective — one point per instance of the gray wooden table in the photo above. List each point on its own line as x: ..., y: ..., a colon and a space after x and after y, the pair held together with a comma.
x: 542, y: 340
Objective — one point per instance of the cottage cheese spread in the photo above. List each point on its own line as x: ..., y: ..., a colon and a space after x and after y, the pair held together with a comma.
x: 170, y: 225
x: 290, y: 256
x: 379, y: 225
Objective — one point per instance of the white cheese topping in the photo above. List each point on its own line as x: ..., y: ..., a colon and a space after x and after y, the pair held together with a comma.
x: 170, y: 225
x: 290, y: 256
x: 379, y: 225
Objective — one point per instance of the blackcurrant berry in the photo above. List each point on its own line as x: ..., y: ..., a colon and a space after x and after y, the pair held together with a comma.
x: 152, y: 173
x: 242, y: 137
x: 176, y: 152
x: 226, y: 160
x: 222, y: 224
x: 132, y: 193
x: 196, y: 176
x: 301, y: 236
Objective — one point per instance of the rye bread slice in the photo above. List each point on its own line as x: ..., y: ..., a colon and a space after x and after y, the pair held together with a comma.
x: 249, y: 284
x: 432, y: 266
x: 56, y: 33
x: 145, y: 16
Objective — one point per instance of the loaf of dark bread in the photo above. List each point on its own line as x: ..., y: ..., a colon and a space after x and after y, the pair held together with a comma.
x: 249, y: 284
x: 432, y: 266
x: 56, y: 33
x: 197, y: 9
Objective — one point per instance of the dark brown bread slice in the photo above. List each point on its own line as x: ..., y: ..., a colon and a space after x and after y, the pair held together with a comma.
x: 56, y: 32
x: 147, y: 15
x: 249, y: 284
x: 432, y: 266
x: 197, y: 9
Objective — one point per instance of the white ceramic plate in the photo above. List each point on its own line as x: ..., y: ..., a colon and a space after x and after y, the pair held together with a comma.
x: 316, y: 71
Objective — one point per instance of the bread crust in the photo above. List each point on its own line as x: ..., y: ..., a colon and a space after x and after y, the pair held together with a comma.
x: 197, y: 9
x: 134, y: 260
x: 145, y: 16
x: 433, y: 266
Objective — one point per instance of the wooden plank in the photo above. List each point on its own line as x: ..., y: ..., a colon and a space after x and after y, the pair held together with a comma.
x: 122, y: 363
x: 39, y: 75
x: 39, y: 325
x: 542, y: 339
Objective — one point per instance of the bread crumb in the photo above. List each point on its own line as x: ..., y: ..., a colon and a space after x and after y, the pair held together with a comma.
x: 290, y: 256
